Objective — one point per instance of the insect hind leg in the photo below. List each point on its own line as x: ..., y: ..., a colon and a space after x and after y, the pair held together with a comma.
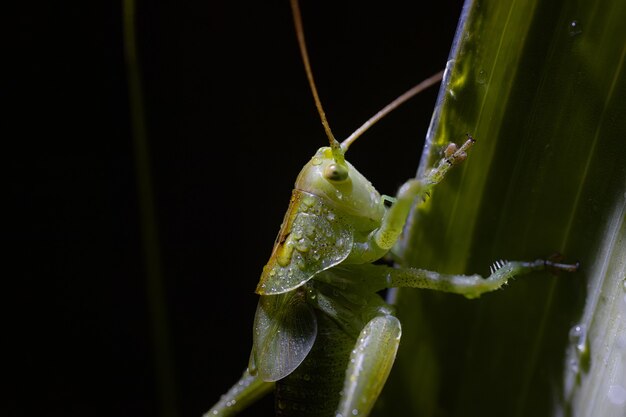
x: 369, y: 366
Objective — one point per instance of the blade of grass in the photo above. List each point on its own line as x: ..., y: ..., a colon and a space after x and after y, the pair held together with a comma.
x: 536, y: 83
x: 165, y: 384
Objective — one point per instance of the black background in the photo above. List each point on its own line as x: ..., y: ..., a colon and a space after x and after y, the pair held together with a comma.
x: 230, y: 121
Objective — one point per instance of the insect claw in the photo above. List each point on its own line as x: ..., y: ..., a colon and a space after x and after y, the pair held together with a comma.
x: 553, y: 265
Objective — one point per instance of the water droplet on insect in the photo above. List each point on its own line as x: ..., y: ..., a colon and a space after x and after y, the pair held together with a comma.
x: 355, y: 412
x: 617, y: 394
x: 316, y: 160
x: 481, y: 77
x: 214, y: 412
x: 575, y: 28
x: 302, y: 245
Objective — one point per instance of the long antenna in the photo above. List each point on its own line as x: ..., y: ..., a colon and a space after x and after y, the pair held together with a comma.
x: 433, y: 79
x: 297, y: 19
x: 339, y: 149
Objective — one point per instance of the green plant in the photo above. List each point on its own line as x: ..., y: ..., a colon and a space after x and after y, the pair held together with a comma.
x: 540, y: 85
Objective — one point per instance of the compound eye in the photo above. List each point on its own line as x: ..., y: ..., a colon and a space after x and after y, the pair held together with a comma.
x: 336, y: 173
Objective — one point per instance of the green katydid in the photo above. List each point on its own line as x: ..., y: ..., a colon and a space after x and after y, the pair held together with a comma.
x: 324, y: 339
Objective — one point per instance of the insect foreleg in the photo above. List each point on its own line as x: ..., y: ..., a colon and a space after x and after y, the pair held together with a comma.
x: 383, y: 238
x: 245, y: 392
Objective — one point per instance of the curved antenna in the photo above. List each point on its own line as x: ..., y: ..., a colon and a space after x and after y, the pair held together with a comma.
x: 297, y: 19
x: 428, y: 82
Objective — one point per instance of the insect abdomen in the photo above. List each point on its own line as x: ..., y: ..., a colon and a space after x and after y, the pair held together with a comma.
x: 314, y: 388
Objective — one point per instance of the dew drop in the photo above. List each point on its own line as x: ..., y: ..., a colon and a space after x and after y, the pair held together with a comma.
x: 617, y: 394
x: 578, y: 337
x: 481, y: 77
x: 302, y: 246
x: 575, y: 28
x: 355, y: 412
x: 316, y: 160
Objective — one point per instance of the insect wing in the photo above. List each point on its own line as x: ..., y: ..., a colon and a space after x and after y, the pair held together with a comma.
x: 313, y: 238
x: 285, y: 329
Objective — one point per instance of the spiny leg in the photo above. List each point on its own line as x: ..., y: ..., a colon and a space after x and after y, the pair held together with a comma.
x: 370, y: 277
x: 369, y: 366
x: 246, y: 391
x: 471, y: 286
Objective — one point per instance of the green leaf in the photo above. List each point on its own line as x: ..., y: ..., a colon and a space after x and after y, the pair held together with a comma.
x: 541, y: 85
